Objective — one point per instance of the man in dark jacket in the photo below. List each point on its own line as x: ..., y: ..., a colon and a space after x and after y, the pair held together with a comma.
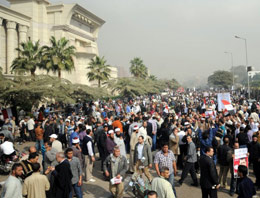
x: 246, y: 187
x: 115, y: 167
x: 101, y: 143
x: 110, y: 144
x: 209, y: 177
x: 255, y: 157
x: 62, y: 176
x: 222, y: 160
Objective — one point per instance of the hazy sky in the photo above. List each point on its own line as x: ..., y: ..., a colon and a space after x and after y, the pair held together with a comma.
x: 177, y: 38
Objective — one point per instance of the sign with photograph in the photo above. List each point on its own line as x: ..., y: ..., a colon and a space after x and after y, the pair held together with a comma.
x: 241, y: 158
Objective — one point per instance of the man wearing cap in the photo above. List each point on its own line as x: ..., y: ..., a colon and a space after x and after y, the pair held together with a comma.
x: 110, y: 144
x: 77, y: 152
x: 55, y: 143
x: 119, y: 140
x: 117, y: 124
x: 133, y: 142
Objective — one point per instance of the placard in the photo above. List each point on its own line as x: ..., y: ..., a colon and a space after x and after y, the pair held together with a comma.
x: 240, y: 158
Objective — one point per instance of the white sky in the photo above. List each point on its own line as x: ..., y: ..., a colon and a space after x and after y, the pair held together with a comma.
x: 177, y: 38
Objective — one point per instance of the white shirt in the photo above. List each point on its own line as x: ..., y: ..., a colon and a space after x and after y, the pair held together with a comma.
x: 30, y: 124
x: 140, y: 150
x: 181, y: 134
x: 89, y: 145
x: 142, y: 132
x: 7, y: 148
x: 57, y: 145
x: 12, y: 188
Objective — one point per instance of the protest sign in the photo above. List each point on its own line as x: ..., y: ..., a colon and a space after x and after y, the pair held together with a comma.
x: 241, y: 158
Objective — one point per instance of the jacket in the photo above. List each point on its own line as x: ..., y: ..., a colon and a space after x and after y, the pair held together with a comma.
x: 174, y: 144
x: 222, y: 155
x: 62, y: 179
x: 191, y: 153
x: 121, y: 169
x: 110, y: 144
x: 209, y: 176
x: 147, y: 154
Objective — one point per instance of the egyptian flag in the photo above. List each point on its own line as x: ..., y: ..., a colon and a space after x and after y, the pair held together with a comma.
x: 204, y: 104
x: 7, y: 113
x: 229, y: 109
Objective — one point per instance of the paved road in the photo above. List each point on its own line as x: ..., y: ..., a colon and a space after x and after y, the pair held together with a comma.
x: 99, y: 189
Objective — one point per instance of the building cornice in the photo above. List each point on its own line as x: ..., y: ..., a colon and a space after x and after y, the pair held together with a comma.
x: 67, y: 28
x: 79, y: 9
x: 13, y: 13
x: 55, y: 8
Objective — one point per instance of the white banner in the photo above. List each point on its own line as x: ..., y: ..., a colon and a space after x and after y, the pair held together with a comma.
x: 224, y: 102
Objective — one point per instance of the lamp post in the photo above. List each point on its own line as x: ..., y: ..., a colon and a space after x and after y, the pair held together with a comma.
x: 248, y: 86
x: 232, y: 66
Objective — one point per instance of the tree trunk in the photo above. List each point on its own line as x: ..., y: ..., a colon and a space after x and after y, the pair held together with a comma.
x: 99, y: 83
x: 59, y: 74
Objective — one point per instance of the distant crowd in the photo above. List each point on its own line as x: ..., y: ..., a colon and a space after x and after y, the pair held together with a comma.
x: 167, y: 133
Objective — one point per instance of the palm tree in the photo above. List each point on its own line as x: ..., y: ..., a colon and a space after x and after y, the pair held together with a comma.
x: 59, y: 56
x: 138, y: 69
x: 153, y: 77
x: 98, y: 70
x: 29, y: 58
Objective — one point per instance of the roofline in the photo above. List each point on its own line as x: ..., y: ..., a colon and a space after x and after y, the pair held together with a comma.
x: 16, y: 13
x: 93, y: 16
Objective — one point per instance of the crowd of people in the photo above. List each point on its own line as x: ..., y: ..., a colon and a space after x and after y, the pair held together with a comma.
x: 165, y: 133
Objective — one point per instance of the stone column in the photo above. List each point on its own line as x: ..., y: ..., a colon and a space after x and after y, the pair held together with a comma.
x: 11, y: 31
x: 22, y: 33
x: 1, y: 52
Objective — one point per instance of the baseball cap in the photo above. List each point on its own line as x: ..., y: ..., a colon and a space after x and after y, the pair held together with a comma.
x: 53, y: 136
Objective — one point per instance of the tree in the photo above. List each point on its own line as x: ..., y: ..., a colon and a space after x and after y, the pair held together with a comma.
x: 240, y: 74
x: 138, y: 69
x: 99, y: 70
x: 220, y: 79
x: 29, y: 58
x: 58, y: 56
x: 152, y: 77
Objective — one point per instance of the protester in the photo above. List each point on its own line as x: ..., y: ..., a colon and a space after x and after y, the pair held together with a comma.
x: 191, y: 158
x: 165, y: 158
x: 27, y: 165
x: 39, y: 132
x: 110, y: 144
x: 133, y: 142
x: 230, y: 160
x: 55, y: 143
x: 62, y: 176
x: 36, y: 185
x: 209, y: 177
x: 119, y: 140
x: 13, y: 185
x: 115, y: 167
x: 246, y: 187
x: 89, y: 152
x: 76, y: 171
x: 152, y: 194
x: 143, y: 158
x: 161, y: 185
x: 30, y: 125
x: 49, y: 156
x: 77, y: 151
x: 222, y: 160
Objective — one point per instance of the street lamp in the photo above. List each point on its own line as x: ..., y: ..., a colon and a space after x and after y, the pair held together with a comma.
x: 246, y: 64
x: 232, y: 66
